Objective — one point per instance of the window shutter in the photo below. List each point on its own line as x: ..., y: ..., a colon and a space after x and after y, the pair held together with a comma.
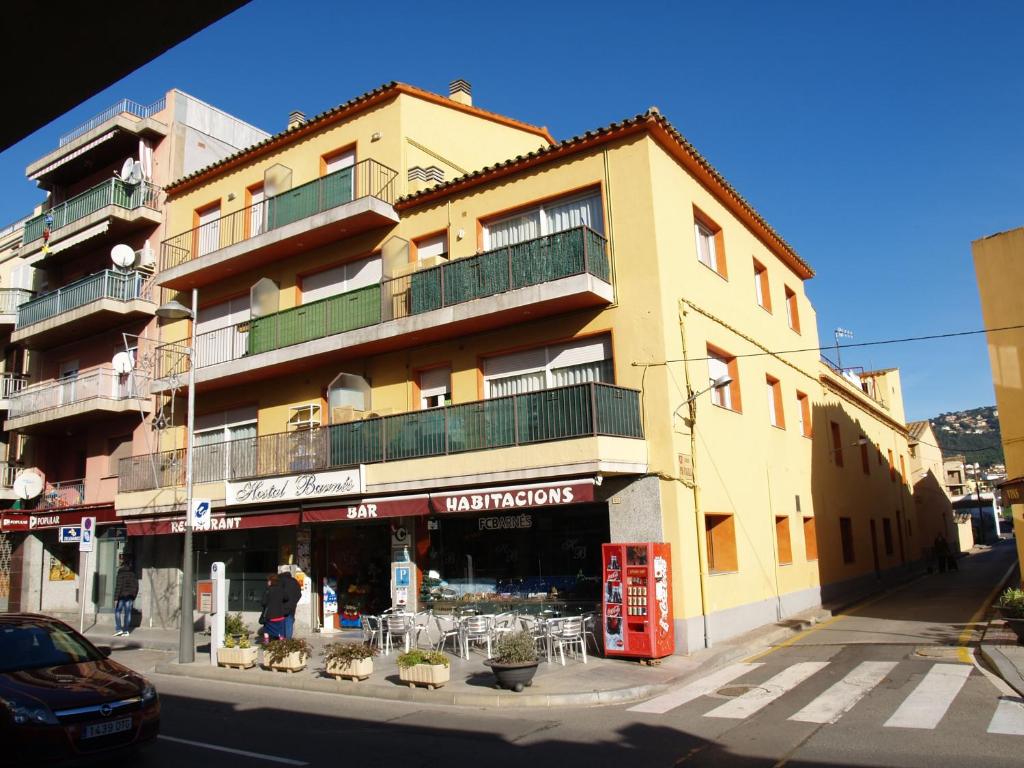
x: 434, y: 382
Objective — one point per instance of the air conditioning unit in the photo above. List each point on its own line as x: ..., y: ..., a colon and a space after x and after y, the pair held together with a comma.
x: 343, y: 414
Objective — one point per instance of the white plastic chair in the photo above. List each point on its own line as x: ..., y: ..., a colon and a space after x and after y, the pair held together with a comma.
x: 421, y: 626
x: 567, y: 632
x: 477, y: 629
x: 397, y: 625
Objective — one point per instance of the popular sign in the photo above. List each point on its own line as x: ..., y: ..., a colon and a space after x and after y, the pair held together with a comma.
x: 345, y: 482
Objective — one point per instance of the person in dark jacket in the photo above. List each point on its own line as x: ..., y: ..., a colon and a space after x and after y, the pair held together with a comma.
x: 126, y: 589
x: 292, y: 593
x: 275, y: 609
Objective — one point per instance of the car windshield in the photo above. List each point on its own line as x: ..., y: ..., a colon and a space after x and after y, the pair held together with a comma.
x: 31, y: 646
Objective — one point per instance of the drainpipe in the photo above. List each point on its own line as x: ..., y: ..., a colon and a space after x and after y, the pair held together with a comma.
x: 698, y: 517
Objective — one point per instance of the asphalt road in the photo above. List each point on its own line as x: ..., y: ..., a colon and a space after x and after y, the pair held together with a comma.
x: 892, y: 684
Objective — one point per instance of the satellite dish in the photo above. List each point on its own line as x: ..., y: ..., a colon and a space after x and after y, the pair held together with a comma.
x: 126, y: 169
x: 123, y: 362
x: 135, y: 175
x: 28, y: 484
x: 122, y: 255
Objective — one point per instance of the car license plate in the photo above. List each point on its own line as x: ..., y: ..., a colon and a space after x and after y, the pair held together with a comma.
x: 106, y: 729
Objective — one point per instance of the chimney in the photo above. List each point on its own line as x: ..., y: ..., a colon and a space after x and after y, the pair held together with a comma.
x: 296, y: 118
x: 461, y: 91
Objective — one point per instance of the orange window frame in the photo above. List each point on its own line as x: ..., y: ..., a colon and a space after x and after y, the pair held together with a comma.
x: 721, y: 538
x: 761, y: 278
x: 903, y: 469
x: 776, y: 388
x: 892, y: 466
x: 793, y: 308
x: 785, y: 542
x: 721, y: 267
x: 805, y: 412
x: 414, y: 244
x: 810, y: 539
x: 249, y: 190
x: 326, y: 157
x: 734, y: 371
x: 196, y: 213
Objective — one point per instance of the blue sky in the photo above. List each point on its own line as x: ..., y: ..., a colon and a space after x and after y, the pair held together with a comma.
x: 879, y: 139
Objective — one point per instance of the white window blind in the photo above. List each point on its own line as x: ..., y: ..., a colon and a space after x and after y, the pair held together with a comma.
x: 257, y: 212
x: 339, y: 161
x: 341, y: 279
x: 435, y: 387
x: 558, y: 365
x: 432, y: 246
x: 706, y: 246
x: 222, y: 315
x: 717, y: 367
x: 773, y: 417
x: 546, y: 219
x: 209, y: 230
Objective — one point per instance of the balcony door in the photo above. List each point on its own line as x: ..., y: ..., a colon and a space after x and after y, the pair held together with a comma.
x: 209, y: 230
x: 546, y: 219
x: 222, y: 331
x: 68, y: 376
x: 225, y: 445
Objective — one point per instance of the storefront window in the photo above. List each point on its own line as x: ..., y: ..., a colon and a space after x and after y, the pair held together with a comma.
x: 249, y: 557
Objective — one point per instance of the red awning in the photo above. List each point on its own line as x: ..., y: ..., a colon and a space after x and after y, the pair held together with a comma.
x: 369, y: 509
x: 55, y: 518
x: 155, y: 526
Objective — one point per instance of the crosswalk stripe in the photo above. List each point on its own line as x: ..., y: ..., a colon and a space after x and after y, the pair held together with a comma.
x: 662, y: 704
x: 841, y: 697
x: 767, y: 692
x: 1009, y: 717
x: 928, y: 702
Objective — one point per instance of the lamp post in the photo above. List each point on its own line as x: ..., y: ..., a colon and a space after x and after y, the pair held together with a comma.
x: 174, y: 310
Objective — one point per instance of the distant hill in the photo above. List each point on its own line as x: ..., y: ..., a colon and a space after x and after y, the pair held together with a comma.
x: 974, y: 433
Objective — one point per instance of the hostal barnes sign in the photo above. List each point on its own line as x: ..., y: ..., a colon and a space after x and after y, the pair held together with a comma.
x: 312, y: 485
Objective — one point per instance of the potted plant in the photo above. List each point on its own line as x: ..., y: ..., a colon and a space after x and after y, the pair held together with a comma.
x: 235, y: 627
x: 286, y: 655
x: 351, y: 660
x: 1011, y: 608
x: 515, y: 661
x: 238, y: 653
x: 429, y: 668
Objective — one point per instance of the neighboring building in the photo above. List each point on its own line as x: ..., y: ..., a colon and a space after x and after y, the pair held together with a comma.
x: 405, y: 341
x: 999, y: 267
x: 955, y: 472
x: 83, y: 274
x: 934, y: 506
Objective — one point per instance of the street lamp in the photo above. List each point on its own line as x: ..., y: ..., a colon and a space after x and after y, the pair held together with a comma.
x: 175, y: 310
x: 722, y: 381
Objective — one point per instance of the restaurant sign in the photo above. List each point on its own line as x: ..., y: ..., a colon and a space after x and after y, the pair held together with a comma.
x: 312, y: 485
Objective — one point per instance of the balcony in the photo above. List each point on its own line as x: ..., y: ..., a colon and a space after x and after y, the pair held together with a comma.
x: 92, y: 304
x: 105, y: 139
x: 10, y: 300
x: 97, y: 394
x: 543, y: 276
x: 10, y: 385
x: 582, y: 411
x: 8, y: 472
x: 341, y: 204
x: 112, y: 208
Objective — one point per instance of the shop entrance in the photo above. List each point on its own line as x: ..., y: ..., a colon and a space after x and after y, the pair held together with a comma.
x: 110, y: 544
x: 356, y: 556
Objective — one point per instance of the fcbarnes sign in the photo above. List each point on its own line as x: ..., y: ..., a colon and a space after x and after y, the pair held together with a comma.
x: 313, y: 485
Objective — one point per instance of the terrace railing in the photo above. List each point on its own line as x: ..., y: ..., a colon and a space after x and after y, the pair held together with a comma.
x: 97, y: 383
x: 12, y: 298
x: 8, y: 472
x: 108, y: 284
x: 124, y: 105
x: 563, y: 413
x: 110, y: 192
x: 11, y: 384
x: 367, y: 178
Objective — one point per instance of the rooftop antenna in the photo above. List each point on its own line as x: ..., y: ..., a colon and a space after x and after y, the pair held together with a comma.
x: 841, y: 333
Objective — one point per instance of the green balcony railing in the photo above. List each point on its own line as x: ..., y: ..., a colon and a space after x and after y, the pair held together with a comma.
x: 563, y: 413
x: 335, y: 314
x: 111, y: 192
x: 108, y: 284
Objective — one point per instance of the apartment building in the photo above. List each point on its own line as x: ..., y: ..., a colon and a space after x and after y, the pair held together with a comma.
x: 80, y: 287
x: 428, y: 330
x: 933, y: 500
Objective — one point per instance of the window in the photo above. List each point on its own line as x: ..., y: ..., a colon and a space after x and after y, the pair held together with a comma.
x: 435, y: 387
x: 255, y: 210
x: 710, y: 243
x: 837, y: 445
x: 810, y: 539
x: 575, y: 362
x: 887, y: 535
x: 341, y: 279
x: 792, y: 310
x: 225, y: 445
x: 761, y: 292
x: 865, y: 463
x: 545, y: 219
x: 892, y: 467
x: 222, y: 329
x: 776, y: 416
x: 903, y: 468
x: 804, y: 412
x: 337, y: 161
x: 846, y: 533
x: 118, y: 448
x: 208, y: 232
x: 433, y: 246
x: 721, y: 534
x: 784, y: 543
x: 723, y: 364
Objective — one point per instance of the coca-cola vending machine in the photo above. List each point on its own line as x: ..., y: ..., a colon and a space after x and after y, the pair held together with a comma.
x: 638, y: 600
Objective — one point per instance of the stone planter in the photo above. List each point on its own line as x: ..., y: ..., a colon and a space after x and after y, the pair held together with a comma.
x: 293, y: 662
x: 237, y: 658
x: 431, y: 675
x: 513, y: 677
x: 359, y: 669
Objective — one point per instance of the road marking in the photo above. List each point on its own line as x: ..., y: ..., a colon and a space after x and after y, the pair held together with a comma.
x: 257, y: 755
x: 661, y: 704
x: 1009, y: 717
x: 841, y: 697
x: 927, y: 704
x: 759, y: 698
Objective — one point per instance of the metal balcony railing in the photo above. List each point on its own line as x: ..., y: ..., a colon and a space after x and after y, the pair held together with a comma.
x: 11, y: 384
x: 110, y: 192
x: 12, y: 298
x: 97, y: 383
x: 108, y: 284
x: 8, y: 472
x: 542, y: 259
x: 61, y: 494
x: 367, y: 178
x: 124, y: 105
x: 564, y: 413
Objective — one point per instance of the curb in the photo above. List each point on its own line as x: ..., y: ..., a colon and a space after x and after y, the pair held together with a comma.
x: 1003, y: 667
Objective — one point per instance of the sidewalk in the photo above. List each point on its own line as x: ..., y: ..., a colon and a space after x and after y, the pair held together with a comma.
x: 598, y: 682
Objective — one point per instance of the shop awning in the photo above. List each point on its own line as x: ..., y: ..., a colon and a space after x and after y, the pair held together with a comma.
x: 369, y: 509
x: 514, y: 497
x: 155, y: 526
x: 55, y: 518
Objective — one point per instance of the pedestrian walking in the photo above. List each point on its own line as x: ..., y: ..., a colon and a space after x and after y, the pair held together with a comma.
x: 126, y: 589
x: 274, y: 610
x: 941, y: 549
x: 292, y: 594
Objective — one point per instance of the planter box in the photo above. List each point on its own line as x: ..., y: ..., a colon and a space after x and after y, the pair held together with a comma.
x: 293, y: 662
x: 360, y: 669
x: 238, y: 658
x: 513, y: 677
x: 431, y: 675
x: 1017, y: 626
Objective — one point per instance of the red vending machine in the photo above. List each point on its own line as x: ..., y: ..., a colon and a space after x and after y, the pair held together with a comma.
x: 638, y: 600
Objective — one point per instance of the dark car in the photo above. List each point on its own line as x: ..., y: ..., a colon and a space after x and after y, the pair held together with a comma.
x: 61, y: 698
